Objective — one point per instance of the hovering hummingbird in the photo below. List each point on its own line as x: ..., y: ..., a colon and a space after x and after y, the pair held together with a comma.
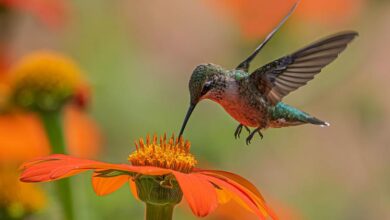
x: 254, y: 100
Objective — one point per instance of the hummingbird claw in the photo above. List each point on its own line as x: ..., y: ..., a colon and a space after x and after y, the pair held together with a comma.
x: 251, y: 135
x: 238, y: 131
x: 248, y: 141
x: 261, y: 135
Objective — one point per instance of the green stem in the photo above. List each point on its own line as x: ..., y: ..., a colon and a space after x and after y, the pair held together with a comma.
x: 52, y: 122
x: 159, y: 212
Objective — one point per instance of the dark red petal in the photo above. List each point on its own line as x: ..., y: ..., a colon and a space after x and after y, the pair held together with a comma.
x: 199, y: 193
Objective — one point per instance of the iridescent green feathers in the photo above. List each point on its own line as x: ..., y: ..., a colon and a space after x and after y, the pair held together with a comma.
x: 201, y: 80
x: 282, y: 115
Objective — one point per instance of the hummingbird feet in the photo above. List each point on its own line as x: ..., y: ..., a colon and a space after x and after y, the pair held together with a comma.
x: 237, y: 133
x: 250, y: 137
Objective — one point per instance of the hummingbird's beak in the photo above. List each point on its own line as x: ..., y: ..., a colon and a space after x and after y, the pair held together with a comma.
x: 189, y: 112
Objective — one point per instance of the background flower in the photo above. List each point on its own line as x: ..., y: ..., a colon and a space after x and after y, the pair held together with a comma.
x: 22, y: 135
x: 18, y: 200
x: 40, y: 84
x: 256, y: 18
x: 52, y: 12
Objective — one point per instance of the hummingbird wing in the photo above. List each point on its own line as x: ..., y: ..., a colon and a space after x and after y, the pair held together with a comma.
x: 282, y: 76
x: 244, y: 65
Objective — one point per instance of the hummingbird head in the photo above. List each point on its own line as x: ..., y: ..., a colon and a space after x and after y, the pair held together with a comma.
x: 201, y: 84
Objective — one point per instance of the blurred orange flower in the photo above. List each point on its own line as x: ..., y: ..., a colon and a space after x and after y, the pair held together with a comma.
x: 81, y: 133
x: 167, y: 163
x: 257, y: 18
x: 22, y: 134
x: 4, y: 92
x: 21, y: 137
x: 17, y: 199
x: 4, y: 61
x: 51, y: 12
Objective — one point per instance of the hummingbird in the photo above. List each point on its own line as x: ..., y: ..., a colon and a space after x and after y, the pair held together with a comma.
x: 255, y: 99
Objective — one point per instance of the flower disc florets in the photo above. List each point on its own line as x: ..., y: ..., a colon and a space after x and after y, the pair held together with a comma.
x: 170, y: 154
x: 44, y: 81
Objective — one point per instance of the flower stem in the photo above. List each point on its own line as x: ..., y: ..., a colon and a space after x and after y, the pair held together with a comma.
x: 159, y: 212
x: 52, y: 122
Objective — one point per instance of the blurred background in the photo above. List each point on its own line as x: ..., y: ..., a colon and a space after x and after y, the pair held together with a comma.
x: 138, y: 57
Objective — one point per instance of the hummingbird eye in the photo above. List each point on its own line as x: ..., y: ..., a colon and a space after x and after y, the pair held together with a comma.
x: 206, y: 87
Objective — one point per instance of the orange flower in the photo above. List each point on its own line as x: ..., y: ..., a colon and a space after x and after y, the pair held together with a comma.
x: 22, y: 135
x: 52, y: 12
x: 17, y: 200
x: 169, y: 164
x: 330, y: 11
x: 45, y: 81
x: 258, y: 17
x: 4, y: 93
x: 81, y: 133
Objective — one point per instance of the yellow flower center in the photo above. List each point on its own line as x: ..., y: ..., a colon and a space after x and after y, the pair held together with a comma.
x: 44, y: 81
x: 170, y: 154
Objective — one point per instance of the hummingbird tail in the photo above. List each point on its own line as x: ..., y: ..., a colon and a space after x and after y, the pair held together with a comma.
x: 316, y: 121
x: 283, y: 115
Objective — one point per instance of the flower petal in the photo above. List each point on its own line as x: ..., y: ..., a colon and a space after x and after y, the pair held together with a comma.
x: 18, y: 130
x: 106, y: 185
x: 133, y: 188
x: 81, y: 132
x: 199, y: 193
x: 59, y: 166
x: 149, y: 170
x: 236, y: 178
x: 245, y: 185
x: 223, y: 196
x: 243, y: 196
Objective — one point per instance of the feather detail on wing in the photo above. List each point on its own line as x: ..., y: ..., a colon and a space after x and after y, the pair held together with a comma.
x: 280, y: 77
